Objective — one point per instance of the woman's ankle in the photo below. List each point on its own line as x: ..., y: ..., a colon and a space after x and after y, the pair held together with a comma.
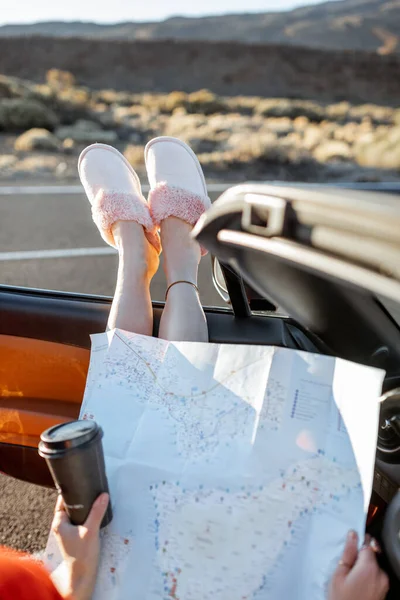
x: 182, y: 253
x: 138, y: 259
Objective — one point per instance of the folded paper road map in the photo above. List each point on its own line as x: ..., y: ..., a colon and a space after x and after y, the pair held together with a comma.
x: 235, y: 471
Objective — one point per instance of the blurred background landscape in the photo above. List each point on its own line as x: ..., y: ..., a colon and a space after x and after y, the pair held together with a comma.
x: 310, y: 94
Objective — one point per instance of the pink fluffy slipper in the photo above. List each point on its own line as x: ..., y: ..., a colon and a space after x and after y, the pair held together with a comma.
x: 114, y: 191
x: 178, y: 187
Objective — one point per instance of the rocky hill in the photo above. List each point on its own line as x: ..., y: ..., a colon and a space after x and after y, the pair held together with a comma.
x: 229, y: 69
x: 372, y: 25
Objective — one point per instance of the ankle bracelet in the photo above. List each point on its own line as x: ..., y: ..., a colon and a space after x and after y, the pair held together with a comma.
x: 181, y: 281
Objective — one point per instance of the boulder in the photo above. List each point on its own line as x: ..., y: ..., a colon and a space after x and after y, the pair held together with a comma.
x: 37, y: 139
x: 20, y: 114
x: 86, y: 132
x: 11, y: 87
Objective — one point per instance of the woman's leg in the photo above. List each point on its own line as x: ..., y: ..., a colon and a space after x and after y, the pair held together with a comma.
x: 183, y: 318
x: 123, y: 218
x: 138, y: 261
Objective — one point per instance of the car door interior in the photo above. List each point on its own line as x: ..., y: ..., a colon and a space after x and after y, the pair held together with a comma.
x: 330, y: 258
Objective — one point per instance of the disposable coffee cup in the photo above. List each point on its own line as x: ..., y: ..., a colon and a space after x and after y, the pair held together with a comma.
x: 74, y: 455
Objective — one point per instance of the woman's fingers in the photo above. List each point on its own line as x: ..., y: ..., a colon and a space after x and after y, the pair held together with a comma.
x: 97, y: 512
x: 366, y: 565
x: 60, y: 518
x: 349, y: 555
x: 358, y: 573
x: 348, y: 559
x: 59, y: 504
x: 383, y: 584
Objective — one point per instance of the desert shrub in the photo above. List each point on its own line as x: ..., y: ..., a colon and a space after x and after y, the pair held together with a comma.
x: 266, y: 160
x: 205, y: 102
x: 283, y: 107
x: 379, y: 115
x: 201, y: 145
x: 20, y: 114
x: 312, y: 136
x: 7, y: 161
x: 163, y: 103
x: 37, y: 139
x: 110, y: 97
x: 347, y: 133
x: 184, y: 126
x: 328, y: 129
x: 134, y: 155
x: 107, y: 97
x: 282, y: 154
x: 202, y: 102
x: 175, y: 100
x: 380, y: 150
x: 121, y: 113
x: 332, y: 150
x: 221, y: 162
x: 201, y: 133
x: 37, y: 166
x: 69, y: 104
x: 301, y: 123
x: 338, y: 112
x: 154, y: 103
x: 77, y: 96
x: 243, y: 105
x: 248, y: 147
x: 344, y: 112
x: 281, y: 126
x: 60, y: 80
x: 68, y: 146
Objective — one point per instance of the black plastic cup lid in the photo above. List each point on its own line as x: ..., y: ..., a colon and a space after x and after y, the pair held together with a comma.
x: 67, y: 436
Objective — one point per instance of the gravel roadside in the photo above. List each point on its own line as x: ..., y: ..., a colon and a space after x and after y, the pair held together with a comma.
x: 26, y: 512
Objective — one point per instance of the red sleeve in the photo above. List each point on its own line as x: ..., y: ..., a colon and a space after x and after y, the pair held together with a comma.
x: 24, y: 578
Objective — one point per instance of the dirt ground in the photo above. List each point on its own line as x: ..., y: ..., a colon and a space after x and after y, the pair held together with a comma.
x: 25, y: 514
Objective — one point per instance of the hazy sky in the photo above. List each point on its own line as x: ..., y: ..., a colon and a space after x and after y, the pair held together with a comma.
x: 29, y: 11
